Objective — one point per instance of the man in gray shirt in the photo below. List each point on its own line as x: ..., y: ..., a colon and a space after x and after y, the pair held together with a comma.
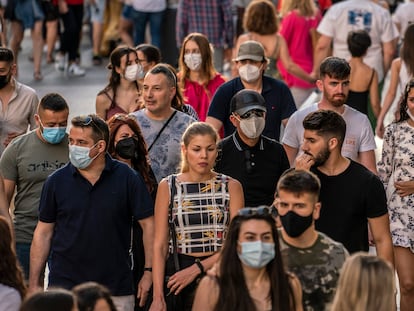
x: 26, y: 163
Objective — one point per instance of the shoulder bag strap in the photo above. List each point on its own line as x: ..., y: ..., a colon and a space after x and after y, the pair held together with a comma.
x: 162, y: 129
x: 173, y: 191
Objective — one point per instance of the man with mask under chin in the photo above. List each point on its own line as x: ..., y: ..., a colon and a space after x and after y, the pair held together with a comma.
x: 251, y: 64
x: 248, y: 156
x: 315, y: 258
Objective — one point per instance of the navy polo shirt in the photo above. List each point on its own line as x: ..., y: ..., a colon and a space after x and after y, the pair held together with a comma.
x: 257, y: 168
x: 92, y: 231
x: 279, y: 103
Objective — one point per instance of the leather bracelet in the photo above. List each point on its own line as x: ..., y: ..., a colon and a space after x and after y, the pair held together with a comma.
x: 199, y: 265
x: 148, y: 269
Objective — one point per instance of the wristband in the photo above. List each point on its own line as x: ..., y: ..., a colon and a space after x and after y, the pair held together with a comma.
x: 199, y: 265
x: 148, y: 269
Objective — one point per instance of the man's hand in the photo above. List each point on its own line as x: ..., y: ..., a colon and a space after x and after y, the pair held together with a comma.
x: 404, y: 188
x: 304, y: 162
x: 144, y: 286
x: 10, y: 137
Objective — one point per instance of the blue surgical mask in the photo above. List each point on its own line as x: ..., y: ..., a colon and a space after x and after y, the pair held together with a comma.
x: 79, y: 156
x: 140, y: 73
x: 53, y: 135
x: 256, y: 254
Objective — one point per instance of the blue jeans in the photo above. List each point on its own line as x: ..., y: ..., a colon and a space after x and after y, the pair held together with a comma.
x: 140, y: 20
x: 23, y: 255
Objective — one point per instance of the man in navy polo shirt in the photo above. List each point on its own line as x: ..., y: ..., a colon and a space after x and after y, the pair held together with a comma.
x: 248, y: 156
x: 251, y: 64
x: 85, y: 217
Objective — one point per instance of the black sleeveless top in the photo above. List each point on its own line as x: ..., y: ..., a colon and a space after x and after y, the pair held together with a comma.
x: 359, y: 100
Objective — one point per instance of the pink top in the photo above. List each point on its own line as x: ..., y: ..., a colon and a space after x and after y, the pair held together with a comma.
x: 199, y: 96
x: 296, y: 31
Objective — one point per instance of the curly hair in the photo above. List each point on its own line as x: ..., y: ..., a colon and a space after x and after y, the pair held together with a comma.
x: 403, y: 101
x: 261, y: 17
x: 115, y: 62
x: 234, y: 297
x: 207, y: 68
x: 11, y: 274
x: 140, y: 163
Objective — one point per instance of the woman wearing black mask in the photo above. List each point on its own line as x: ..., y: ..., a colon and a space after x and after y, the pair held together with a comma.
x: 127, y: 145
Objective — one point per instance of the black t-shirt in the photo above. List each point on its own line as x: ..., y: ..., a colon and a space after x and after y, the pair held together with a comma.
x: 257, y: 168
x: 348, y: 199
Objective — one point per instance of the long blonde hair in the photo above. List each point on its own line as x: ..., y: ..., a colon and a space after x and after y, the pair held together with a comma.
x: 367, y: 283
x: 305, y: 7
x: 195, y: 129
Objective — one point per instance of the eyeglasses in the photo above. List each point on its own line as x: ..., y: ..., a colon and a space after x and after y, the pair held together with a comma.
x: 248, y: 114
x: 262, y: 210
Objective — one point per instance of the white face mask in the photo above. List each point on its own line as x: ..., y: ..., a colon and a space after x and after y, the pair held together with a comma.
x: 131, y: 72
x: 193, y: 61
x: 249, y: 73
x: 253, y: 126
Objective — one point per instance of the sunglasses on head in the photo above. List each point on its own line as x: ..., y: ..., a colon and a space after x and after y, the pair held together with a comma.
x: 251, y: 211
x: 254, y: 112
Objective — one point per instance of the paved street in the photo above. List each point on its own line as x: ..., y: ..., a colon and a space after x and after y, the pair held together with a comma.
x: 80, y: 92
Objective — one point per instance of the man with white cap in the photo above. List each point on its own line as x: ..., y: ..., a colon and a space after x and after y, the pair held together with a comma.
x: 251, y: 64
x: 248, y: 156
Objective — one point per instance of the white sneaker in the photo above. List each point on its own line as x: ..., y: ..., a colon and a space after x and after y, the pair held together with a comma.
x: 76, y: 71
x: 60, y: 62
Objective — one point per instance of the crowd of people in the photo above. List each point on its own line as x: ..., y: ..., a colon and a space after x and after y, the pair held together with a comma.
x: 189, y: 189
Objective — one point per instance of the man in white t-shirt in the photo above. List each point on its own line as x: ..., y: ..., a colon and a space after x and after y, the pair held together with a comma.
x: 359, y: 143
x: 403, y: 16
x: 353, y: 15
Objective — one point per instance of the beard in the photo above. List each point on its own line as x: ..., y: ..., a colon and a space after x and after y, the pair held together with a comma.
x: 336, y: 100
x: 321, y: 157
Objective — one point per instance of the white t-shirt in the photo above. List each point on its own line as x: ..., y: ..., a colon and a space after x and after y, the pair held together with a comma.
x: 149, y: 5
x: 404, y: 15
x: 10, y: 299
x: 359, y: 136
x: 349, y: 15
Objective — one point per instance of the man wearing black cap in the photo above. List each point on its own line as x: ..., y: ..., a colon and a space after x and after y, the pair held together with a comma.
x: 248, y: 156
x: 251, y: 64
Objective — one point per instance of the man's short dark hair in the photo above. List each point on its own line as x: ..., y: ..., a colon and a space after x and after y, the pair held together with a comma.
x: 334, y: 67
x: 100, y: 130
x: 54, y: 102
x: 6, y: 55
x: 358, y: 42
x: 299, y: 182
x: 326, y: 123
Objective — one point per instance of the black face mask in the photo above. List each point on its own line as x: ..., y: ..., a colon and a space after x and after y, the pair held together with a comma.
x: 127, y: 148
x: 4, y: 80
x: 295, y: 224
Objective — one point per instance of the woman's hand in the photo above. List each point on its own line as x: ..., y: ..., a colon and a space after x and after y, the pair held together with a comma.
x: 158, y: 305
x: 182, y: 278
x: 404, y: 188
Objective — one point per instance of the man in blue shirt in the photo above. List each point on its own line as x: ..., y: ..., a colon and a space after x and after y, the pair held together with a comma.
x: 85, y: 217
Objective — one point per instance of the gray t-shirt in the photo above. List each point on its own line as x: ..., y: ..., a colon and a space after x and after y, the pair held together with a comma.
x: 10, y: 299
x: 165, y: 153
x: 28, y: 161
